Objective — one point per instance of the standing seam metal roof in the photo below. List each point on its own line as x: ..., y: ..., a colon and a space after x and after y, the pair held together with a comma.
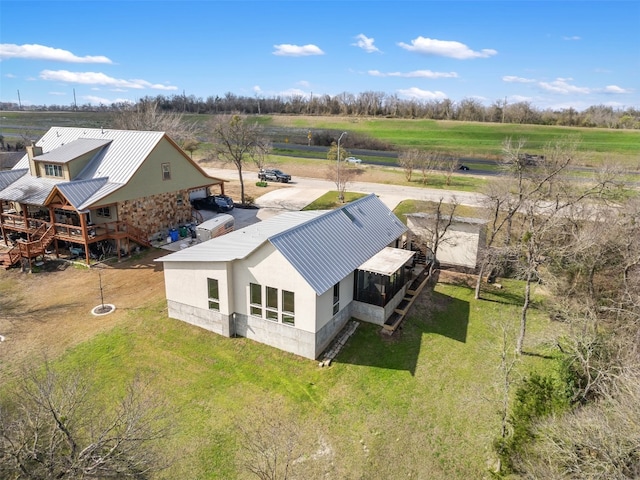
x: 325, y: 250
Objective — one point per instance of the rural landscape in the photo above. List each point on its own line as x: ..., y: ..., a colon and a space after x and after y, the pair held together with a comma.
x: 524, y: 367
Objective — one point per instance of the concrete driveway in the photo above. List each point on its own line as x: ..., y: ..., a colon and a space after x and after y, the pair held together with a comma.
x: 301, y: 192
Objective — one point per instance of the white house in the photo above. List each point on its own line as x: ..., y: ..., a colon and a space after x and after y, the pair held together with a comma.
x: 294, y: 280
x: 459, y: 246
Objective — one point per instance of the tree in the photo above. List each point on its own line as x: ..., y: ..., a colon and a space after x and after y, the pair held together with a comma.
x: 54, y: 427
x: 340, y: 175
x: 275, y: 446
x: 409, y: 160
x: 432, y: 231
x: 147, y: 115
x: 237, y: 139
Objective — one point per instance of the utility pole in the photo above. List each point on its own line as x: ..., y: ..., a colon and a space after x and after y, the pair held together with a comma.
x: 19, y: 101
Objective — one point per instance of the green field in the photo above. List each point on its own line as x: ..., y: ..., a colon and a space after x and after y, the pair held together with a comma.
x: 462, y: 139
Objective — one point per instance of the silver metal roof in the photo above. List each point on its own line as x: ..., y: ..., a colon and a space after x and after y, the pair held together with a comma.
x: 119, y: 154
x: 28, y: 189
x: 7, y: 177
x: 79, y: 192
x: 73, y: 150
x: 323, y: 246
x: 387, y: 261
x: 327, y: 249
x: 240, y: 243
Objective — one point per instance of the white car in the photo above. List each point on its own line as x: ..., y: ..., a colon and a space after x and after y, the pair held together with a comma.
x: 353, y: 160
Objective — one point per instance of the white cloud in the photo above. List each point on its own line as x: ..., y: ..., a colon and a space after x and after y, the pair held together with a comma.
x: 304, y: 83
x: 419, y: 94
x: 10, y: 75
x: 96, y: 100
x: 513, y: 79
x: 256, y: 89
x: 562, y: 85
x: 97, y: 78
x: 286, y: 50
x: 294, y: 92
x: 59, y: 94
x: 365, y: 43
x: 414, y: 74
x: 519, y: 98
x: 445, y: 48
x: 41, y: 52
x: 615, y: 89
x: 572, y: 38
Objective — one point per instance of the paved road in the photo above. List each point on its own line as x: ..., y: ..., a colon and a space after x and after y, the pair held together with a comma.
x: 303, y: 190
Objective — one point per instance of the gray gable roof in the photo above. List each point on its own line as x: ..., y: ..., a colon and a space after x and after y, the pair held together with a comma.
x: 325, y: 250
x: 323, y: 246
x: 73, y: 150
x: 118, y: 155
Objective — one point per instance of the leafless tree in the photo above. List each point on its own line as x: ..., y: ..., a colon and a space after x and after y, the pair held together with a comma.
x: 597, y: 441
x: 337, y: 171
x: 433, y: 228
x: 275, y: 446
x: 237, y: 139
x: 426, y: 162
x: 54, y: 427
x: 146, y: 115
x: 409, y: 160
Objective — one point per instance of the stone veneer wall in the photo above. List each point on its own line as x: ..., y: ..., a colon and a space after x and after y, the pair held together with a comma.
x: 156, y: 214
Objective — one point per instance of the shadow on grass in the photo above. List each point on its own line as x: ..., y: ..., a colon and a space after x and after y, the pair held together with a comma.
x: 434, y: 314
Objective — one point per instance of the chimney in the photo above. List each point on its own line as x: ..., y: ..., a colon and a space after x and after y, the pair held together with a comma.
x: 32, y: 152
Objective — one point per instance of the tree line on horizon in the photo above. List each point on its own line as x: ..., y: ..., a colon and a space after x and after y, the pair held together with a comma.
x: 374, y: 104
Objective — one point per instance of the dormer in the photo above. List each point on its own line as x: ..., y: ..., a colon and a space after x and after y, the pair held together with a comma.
x: 67, y: 161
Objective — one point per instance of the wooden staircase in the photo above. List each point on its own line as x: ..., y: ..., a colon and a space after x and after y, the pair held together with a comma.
x: 41, y: 239
x: 400, y: 312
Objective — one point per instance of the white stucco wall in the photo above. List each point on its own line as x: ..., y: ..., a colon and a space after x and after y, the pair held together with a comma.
x: 267, y: 267
x: 186, y: 283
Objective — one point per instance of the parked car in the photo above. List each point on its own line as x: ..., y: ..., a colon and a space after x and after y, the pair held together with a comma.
x: 215, y: 203
x: 353, y: 160
x: 274, y: 175
x: 463, y: 167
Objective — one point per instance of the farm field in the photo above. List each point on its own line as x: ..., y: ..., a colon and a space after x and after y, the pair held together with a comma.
x: 459, y: 139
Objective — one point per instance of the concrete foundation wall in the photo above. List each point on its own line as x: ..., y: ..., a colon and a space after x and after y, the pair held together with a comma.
x: 374, y: 313
x: 207, y: 319
x: 327, y: 333
x: 278, y: 335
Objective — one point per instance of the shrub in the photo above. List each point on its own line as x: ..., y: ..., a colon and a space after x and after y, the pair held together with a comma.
x: 261, y: 184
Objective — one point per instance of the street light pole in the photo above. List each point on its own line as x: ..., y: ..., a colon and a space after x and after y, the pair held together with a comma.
x: 340, y: 194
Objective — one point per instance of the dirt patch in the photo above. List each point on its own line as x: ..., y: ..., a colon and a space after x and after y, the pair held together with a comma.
x: 46, y: 312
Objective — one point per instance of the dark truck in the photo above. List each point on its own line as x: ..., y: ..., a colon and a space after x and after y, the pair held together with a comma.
x: 274, y: 175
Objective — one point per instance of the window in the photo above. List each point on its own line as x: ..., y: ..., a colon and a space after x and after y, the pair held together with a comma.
x: 288, y: 308
x: 180, y: 200
x: 104, y: 212
x: 52, y: 170
x: 255, y: 299
x: 272, y: 303
x: 214, y: 294
x: 166, y: 171
x: 336, y: 298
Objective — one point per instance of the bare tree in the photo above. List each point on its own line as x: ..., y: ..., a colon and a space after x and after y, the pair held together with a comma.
x: 427, y: 162
x: 599, y: 440
x: 236, y: 139
x: 147, y: 115
x: 275, y: 446
x: 409, y: 160
x: 337, y: 171
x: 53, y: 427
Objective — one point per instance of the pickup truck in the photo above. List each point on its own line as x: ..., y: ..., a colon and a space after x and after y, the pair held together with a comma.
x: 274, y: 175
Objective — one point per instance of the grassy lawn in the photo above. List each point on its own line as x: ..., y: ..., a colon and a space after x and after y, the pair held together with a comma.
x: 419, y: 404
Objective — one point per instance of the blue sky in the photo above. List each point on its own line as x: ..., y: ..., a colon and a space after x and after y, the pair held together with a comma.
x: 553, y: 54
